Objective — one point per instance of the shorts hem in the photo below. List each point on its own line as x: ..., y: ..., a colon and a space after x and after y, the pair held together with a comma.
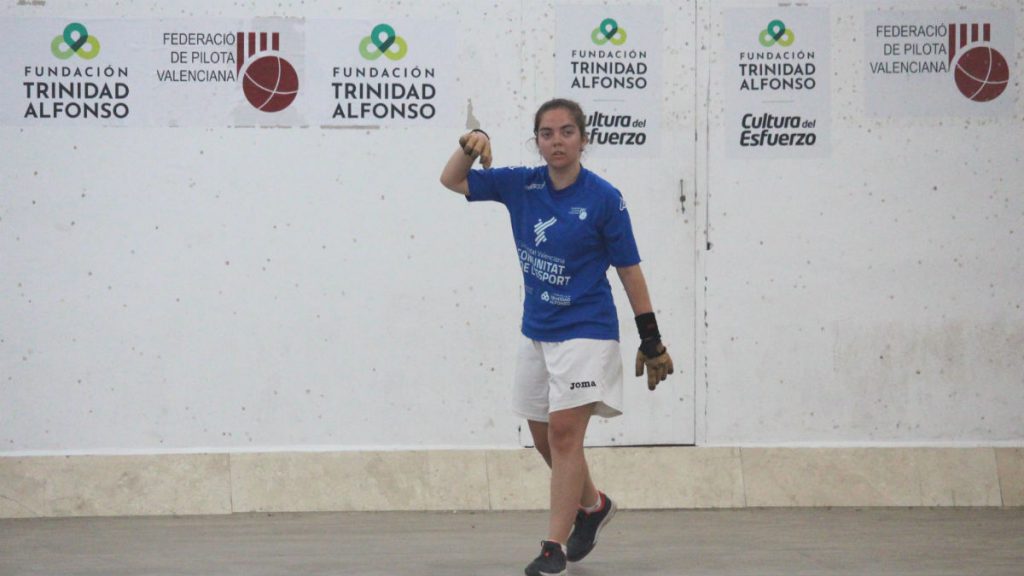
x: 532, y: 417
x: 601, y: 408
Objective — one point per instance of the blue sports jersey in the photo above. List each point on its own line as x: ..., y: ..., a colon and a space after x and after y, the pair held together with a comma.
x: 566, y: 240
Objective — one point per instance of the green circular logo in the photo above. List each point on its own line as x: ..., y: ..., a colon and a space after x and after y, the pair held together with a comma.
x: 383, y: 41
x: 608, y: 31
x: 75, y: 41
x: 776, y: 33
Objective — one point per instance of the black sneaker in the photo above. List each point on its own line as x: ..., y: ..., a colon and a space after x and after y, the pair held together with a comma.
x: 551, y: 561
x: 587, y: 527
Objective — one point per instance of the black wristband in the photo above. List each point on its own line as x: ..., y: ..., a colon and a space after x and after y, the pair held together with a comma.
x: 650, y: 338
x: 647, y: 326
x: 480, y: 131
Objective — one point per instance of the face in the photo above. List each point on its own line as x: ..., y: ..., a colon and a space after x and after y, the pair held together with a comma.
x: 559, y: 140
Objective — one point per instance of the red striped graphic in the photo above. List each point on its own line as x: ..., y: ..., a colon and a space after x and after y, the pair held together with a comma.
x: 959, y: 37
x: 246, y: 46
x: 952, y: 41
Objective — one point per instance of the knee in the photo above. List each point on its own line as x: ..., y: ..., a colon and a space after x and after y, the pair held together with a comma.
x: 564, y: 439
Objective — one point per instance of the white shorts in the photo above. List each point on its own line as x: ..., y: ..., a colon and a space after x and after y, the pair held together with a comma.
x: 553, y: 376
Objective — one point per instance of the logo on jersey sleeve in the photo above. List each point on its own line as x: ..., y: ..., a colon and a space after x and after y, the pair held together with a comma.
x: 622, y: 203
x: 540, y: 228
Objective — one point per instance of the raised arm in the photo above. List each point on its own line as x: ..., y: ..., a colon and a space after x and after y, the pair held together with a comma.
x: 472, y: 145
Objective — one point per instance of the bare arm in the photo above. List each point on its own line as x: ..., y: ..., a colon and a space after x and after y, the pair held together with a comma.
x: 471, y: 146
x: 636, y: 289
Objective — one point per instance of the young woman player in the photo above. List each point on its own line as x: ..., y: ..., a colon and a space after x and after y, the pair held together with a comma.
x: 569, y: 226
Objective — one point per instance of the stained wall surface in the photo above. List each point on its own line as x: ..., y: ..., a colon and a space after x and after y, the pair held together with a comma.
x: 216, y: 289
x: 309, y: 287
x: 872, y: 296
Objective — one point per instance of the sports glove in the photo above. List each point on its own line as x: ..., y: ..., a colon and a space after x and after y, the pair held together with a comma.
x: 477, y: 144
x: 652, y: 354
x: 658, y: 367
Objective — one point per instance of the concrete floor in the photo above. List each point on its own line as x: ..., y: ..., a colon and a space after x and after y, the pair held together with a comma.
x: 763, y: 542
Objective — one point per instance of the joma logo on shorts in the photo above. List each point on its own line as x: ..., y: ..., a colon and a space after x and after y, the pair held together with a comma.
x: 584, y: 384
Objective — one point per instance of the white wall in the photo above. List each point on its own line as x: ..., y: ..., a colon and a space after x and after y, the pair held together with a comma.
x: 873, y: 297
x: 261, y: 289
x: 178, y: 289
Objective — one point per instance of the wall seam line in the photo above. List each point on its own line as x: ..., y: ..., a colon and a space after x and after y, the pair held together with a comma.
x: 231, y: 483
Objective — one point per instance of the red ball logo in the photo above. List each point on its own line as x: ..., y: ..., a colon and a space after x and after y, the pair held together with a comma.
x: 981, y: 74
x: 270, y: 84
